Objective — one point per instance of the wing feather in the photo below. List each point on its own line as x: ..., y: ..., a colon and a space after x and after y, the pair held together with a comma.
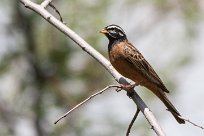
x: 133, y: 56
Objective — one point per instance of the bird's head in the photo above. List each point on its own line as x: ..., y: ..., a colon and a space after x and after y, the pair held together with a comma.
x: 113, y: 32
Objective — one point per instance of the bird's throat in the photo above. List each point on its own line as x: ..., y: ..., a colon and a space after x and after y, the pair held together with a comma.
x: 113, y: 42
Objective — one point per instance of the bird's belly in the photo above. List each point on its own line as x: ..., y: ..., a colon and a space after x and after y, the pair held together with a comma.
x: 128, y: 70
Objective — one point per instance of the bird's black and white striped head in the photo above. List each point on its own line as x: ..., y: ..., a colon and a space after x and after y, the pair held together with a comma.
x: 113, y: 32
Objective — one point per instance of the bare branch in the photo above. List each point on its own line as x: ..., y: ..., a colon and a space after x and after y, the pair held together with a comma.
x: 45, y: 3
x: 189, y: 121
x: 55, y: 9
x: 84, y: 101
x: 132, y: 122
x: 101, y: 59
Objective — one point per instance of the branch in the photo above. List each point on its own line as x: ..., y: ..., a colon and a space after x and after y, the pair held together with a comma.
x: 84, y: 101
x: 45, y: 3
x: 132, y: 122
x: 196, y: 125
x: 192, y: 123
x: 52, y: 6
x: 96, y: 55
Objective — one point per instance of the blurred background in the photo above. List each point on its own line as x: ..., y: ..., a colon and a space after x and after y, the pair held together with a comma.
x: 43, y: 73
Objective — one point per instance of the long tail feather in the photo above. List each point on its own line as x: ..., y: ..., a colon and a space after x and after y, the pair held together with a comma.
x: 161, y: 94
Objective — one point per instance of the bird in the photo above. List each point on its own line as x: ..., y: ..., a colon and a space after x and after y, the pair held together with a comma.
x: 130, y: 63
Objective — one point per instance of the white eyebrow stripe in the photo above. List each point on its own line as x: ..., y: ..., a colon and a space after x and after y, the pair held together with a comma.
x: 110, y: 27
x: 114, y: 26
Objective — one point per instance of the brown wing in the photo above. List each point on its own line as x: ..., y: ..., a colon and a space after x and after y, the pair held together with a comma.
x: 133, y: 56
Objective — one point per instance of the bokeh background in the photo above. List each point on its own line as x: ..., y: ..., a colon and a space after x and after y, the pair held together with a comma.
x: 43, y: 73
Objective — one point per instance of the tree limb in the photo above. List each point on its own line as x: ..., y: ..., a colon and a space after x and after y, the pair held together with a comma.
x: 84, y: 101
x: 45, y: 3
x: 39, y: 9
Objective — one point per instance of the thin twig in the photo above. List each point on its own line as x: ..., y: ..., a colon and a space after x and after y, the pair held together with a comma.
x: 84, y: 101
x: 187, y: 120
x: 55, y: 9
x: 132, y: 122
x: 45, y: 3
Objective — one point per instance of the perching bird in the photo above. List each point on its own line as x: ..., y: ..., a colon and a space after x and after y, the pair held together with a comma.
x: 129, y: 62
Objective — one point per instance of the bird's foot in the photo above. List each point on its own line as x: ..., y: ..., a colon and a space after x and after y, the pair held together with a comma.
x: 126, y: 87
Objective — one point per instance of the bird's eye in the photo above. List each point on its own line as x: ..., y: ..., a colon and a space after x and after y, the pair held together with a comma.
x: 112, y: 31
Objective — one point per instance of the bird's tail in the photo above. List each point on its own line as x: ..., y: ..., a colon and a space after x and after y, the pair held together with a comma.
x: 161, y: 94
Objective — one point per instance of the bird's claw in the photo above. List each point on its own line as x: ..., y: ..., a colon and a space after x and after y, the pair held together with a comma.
x: 125, y: 87
x: 118, y: 89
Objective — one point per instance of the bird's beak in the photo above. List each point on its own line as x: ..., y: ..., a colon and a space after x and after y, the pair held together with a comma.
x: 103, y: 31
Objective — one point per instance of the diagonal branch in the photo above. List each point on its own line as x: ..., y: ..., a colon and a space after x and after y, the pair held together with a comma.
x: 84, y: 101
x: 96, y: 55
